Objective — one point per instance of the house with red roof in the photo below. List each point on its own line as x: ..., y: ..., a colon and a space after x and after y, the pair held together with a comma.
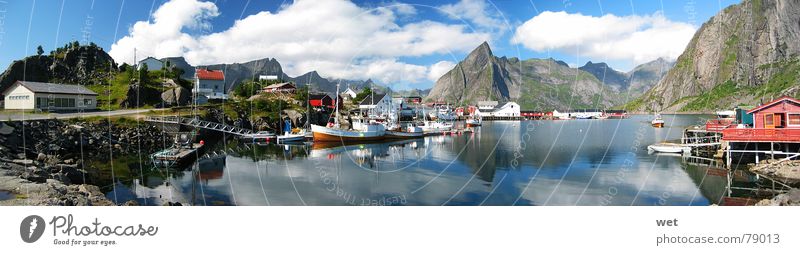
x: 775, y: 132
x: 210, y: 84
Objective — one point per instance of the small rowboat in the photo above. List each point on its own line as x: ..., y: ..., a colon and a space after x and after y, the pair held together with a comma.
x: 669, y: 148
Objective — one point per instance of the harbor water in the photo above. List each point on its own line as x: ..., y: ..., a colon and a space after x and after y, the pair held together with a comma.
x: 564, y: 162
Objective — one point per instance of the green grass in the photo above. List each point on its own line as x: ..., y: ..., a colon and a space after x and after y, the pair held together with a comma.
x: 712, y: 99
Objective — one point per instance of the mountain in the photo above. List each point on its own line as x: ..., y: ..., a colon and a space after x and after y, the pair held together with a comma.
x: 610, y: 77
x: 541, y: 84
x: 647, y: 75
x: 72, y: 64
x: 745, y: 54
x: 237, y: 72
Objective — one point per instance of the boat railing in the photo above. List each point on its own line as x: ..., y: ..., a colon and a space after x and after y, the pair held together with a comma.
x: 762, y: 134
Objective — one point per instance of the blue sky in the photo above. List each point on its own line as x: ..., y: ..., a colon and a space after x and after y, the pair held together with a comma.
x: 404, y: 44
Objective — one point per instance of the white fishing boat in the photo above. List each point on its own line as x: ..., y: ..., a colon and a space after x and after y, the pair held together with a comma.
x: 359, y: 131
x: 436, y: 127
x: 669, y: 148
x: 657, y: 122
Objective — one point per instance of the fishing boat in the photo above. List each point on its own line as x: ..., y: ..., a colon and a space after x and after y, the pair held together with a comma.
x: 362, y: 130
x: 410, y: 131
x: 658, y: 122
x: 436, y: 127
x: 474, y: 121
x: 669, y: 148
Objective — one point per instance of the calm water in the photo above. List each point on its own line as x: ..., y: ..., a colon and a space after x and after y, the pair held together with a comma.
x: 575, y: 162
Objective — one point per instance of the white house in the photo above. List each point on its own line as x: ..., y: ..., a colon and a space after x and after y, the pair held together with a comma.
x: 487, y: 105
x: 210, y: 84
x: 377, y: 104
x: 509, y: 109
x: 152, y: 64
x: 267, y: 77
x: 26, y: 95
x: 349, y: 92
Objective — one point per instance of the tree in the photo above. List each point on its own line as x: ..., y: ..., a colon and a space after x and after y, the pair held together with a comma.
x: 363, y: 94
x: 39, y: 50
x: 143, y: 75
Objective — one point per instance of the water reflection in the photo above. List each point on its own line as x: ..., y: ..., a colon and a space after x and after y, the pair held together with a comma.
x: 581, y: 162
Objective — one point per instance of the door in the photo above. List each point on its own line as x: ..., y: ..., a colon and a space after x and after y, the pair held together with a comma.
x: 769, y: 120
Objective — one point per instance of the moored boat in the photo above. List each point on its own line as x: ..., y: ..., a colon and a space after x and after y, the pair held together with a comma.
x: 474, y: 122
x: 408, y: 132
x: 658, y: 122
x: 669, y: 148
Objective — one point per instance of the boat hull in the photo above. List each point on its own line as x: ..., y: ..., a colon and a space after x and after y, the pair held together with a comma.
x: 402, y: 135
x: 325, y: 134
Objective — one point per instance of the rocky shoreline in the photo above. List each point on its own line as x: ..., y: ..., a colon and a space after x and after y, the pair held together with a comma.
x: 42, y: 162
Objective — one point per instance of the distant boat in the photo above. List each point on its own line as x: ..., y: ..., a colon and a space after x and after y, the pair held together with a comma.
x: 669, y: 148
x: 658, y: 122
x: 474, y: 121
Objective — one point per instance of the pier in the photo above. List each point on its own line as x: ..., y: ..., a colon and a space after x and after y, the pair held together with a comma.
x: 197, y: 123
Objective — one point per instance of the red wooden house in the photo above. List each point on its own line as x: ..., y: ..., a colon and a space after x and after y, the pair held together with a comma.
x: 778, y: 120
x: 322, y: 100
x: 775, y: 131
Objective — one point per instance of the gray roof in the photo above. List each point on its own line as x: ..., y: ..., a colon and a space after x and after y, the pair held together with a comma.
x: 370, y: 101
x: 54, y: 88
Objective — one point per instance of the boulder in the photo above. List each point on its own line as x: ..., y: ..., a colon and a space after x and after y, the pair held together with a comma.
x: 176, y: 97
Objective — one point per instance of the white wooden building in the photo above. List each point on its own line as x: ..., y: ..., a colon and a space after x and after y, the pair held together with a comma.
x: 507, y: 110
x: 376, y: 104
x: 26, y: 95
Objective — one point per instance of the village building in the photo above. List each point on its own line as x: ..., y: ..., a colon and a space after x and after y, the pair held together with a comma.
x: 487, y: 105
x: 281, y: 88
x: 321, y: 101
x: 775, y: 132
x: 267, y: 77
x: 376, y: 104
x: 414, y: 100
x: 26, y: 95
x: 210, y: 84
x: 532, y: 114
x: 152, y: 64
x: 509, y: 110
x: 349, y: 93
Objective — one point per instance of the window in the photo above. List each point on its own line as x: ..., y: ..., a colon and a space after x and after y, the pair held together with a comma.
x: 769, y: 120
x: 87, y: 102
x: 794, y: 119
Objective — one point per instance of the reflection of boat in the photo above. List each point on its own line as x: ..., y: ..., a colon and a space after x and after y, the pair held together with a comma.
x: 669, y: 148
x: 327, y: 149
x: 658, y: 121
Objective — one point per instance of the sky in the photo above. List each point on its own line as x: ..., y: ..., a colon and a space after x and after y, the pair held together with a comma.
x: 397, y: 43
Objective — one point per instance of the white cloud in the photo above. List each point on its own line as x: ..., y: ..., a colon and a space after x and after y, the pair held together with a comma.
x: 439, y: 69
x: 337, y: 38
x: 635, y: 38
x: 477, y: 12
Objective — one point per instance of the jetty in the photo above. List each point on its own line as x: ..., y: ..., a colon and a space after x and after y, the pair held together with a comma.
x: 197, y: 123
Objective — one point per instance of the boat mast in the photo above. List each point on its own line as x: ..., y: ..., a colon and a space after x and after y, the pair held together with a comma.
x: 336, y: 107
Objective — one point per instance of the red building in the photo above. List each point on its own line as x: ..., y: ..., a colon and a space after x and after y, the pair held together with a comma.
x: 322, y: 100
x: 775, y: 132
x: 532, y: 114
x: 414, y: 100
x: 280, y: 88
